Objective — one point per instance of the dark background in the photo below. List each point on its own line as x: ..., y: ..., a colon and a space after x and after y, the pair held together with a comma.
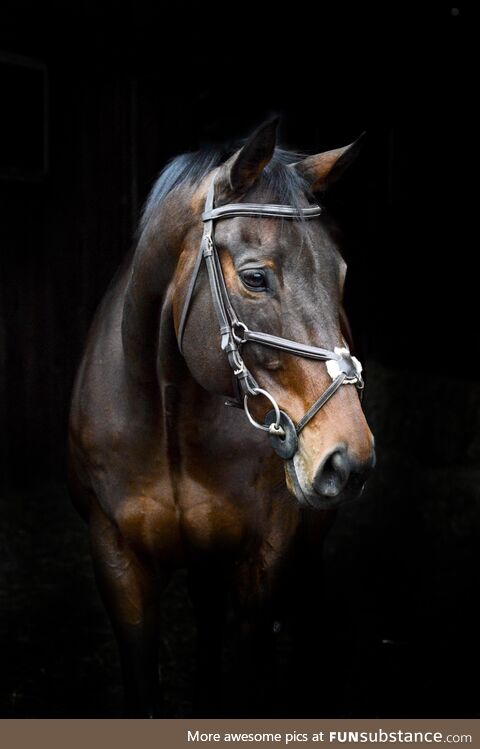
x: 95, y: 97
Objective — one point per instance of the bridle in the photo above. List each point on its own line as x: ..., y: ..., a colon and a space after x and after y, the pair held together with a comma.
x: 343, y: 368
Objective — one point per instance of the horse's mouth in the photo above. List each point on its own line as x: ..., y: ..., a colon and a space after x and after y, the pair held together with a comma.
x: 305, y: 494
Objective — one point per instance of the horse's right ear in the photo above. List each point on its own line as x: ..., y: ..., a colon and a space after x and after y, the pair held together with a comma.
x: 239, y: 173
x: 324, y: 169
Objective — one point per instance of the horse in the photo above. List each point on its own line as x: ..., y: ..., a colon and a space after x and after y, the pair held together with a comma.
x: 162, y: 463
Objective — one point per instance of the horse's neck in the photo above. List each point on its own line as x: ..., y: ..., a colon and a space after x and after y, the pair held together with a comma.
x: 152, y: 269
x: 152, y: 359
x: 160, y: 382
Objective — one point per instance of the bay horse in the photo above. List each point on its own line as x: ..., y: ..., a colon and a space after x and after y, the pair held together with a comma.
x: 166, y: 475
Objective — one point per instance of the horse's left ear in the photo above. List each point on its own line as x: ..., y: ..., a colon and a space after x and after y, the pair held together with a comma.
x: 240, y: 172
x: 323, y: 169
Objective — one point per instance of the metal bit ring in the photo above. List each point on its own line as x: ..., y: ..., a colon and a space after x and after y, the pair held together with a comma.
x: 274, y: 428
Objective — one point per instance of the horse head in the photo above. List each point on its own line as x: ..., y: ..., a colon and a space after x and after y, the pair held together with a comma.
x: 283, y: 277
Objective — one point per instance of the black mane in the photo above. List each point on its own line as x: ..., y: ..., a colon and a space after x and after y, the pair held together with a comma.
x: 281, y: 184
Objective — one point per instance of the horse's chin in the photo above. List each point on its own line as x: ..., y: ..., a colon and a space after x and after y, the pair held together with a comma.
x: 308, y: 497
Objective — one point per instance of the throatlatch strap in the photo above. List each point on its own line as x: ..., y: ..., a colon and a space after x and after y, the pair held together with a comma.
x: 207, y: 234
x: 189, y: 295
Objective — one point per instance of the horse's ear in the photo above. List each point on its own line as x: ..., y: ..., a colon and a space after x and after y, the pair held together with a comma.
x: 241, y: 170
x: 323, y: 169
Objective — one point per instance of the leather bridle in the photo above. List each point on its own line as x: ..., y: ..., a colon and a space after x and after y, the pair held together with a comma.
x: 343, y: 368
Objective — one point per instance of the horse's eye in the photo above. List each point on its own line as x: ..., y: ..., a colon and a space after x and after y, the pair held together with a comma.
x: 254, y: 279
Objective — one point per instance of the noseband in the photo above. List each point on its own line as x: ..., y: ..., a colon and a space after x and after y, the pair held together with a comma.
x: 343, y: 368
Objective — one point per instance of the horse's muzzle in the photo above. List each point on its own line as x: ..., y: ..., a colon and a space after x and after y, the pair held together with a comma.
x: 339, y: 478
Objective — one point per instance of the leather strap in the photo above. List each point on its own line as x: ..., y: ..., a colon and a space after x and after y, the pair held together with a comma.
x: 189, y: 296
x: 331, y: 390
x: 217, y: 298
x: 223, y: 288
x: 206, y: 237
x: 291, y: 347
x: 260, y: 209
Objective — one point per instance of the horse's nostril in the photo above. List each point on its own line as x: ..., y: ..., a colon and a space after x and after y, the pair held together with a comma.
x: 333, y: 474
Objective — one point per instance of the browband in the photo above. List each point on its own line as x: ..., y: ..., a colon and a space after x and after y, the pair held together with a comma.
x: 259, y: 209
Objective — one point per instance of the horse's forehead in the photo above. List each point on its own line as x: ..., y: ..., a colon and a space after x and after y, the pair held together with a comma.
x: 247, y: 231
x: 269, y: 235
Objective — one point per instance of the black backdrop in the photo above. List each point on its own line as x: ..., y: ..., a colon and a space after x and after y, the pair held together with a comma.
x: 129, y: 86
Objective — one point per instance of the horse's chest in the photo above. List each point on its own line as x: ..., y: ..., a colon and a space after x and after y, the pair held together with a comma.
x: 238, y: 520
x: 212, y: 520
x: 223, y: 506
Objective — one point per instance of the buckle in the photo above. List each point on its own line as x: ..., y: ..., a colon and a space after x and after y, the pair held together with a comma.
x: 238, y: 324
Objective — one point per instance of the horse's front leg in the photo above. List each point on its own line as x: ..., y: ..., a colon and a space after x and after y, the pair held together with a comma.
x: 208, y: 586
x: 254, y: 660
x: 130, y: 592
x: 309, y: 619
